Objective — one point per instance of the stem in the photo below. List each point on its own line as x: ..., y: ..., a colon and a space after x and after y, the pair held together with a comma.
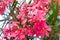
x: 12, y: 10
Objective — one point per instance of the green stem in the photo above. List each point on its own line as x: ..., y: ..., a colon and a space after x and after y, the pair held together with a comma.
x: 12, y: 10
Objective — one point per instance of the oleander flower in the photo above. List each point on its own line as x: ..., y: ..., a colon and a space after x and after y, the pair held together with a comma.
x: 4, y: 4
x: 2, y: 7
x: 21, y: 37
x: 41, y: 29
x: 8, y: 1
x: 12, y: 31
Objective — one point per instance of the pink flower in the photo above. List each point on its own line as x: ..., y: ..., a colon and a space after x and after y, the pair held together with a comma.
x: 41, y: 29
x: 46, y: 1
x: 40, y: 15
x: 6, y: 31
x: 8, y: 1
x: 2, y: 7
x: 4, y: 4
x: 12, y: 31
x: 21, y: 37
x: 42, y: 1
x: 23, y: 30
x: 22, y: 13
x: 11, y: 1
x: 24, y: 22
x: 30, y: 31
x: 32, y: 20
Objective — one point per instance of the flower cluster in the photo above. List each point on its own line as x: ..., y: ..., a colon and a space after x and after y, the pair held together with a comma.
x: 31, y: 21
x: 33, y: 17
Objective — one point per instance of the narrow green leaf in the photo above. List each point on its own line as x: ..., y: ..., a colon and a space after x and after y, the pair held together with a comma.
x: 51, y: 16
x: 56, y: 11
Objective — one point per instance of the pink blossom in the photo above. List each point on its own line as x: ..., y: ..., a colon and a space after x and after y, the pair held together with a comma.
x: 11, y: 1
x: 2, y: 7
x: 12, y: 30
x: 21, y: 37
x: 42, y: 29
x: 8, y: 1
x: 42, y: 1
x: 30, y: 31
x: 46, y: 1
x: 24, y: 22
x: 23, y: 30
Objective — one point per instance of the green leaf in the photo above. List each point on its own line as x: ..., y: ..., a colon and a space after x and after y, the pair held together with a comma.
x: 50, y: 18
x: 56, y: 11
x: 53, y: 17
